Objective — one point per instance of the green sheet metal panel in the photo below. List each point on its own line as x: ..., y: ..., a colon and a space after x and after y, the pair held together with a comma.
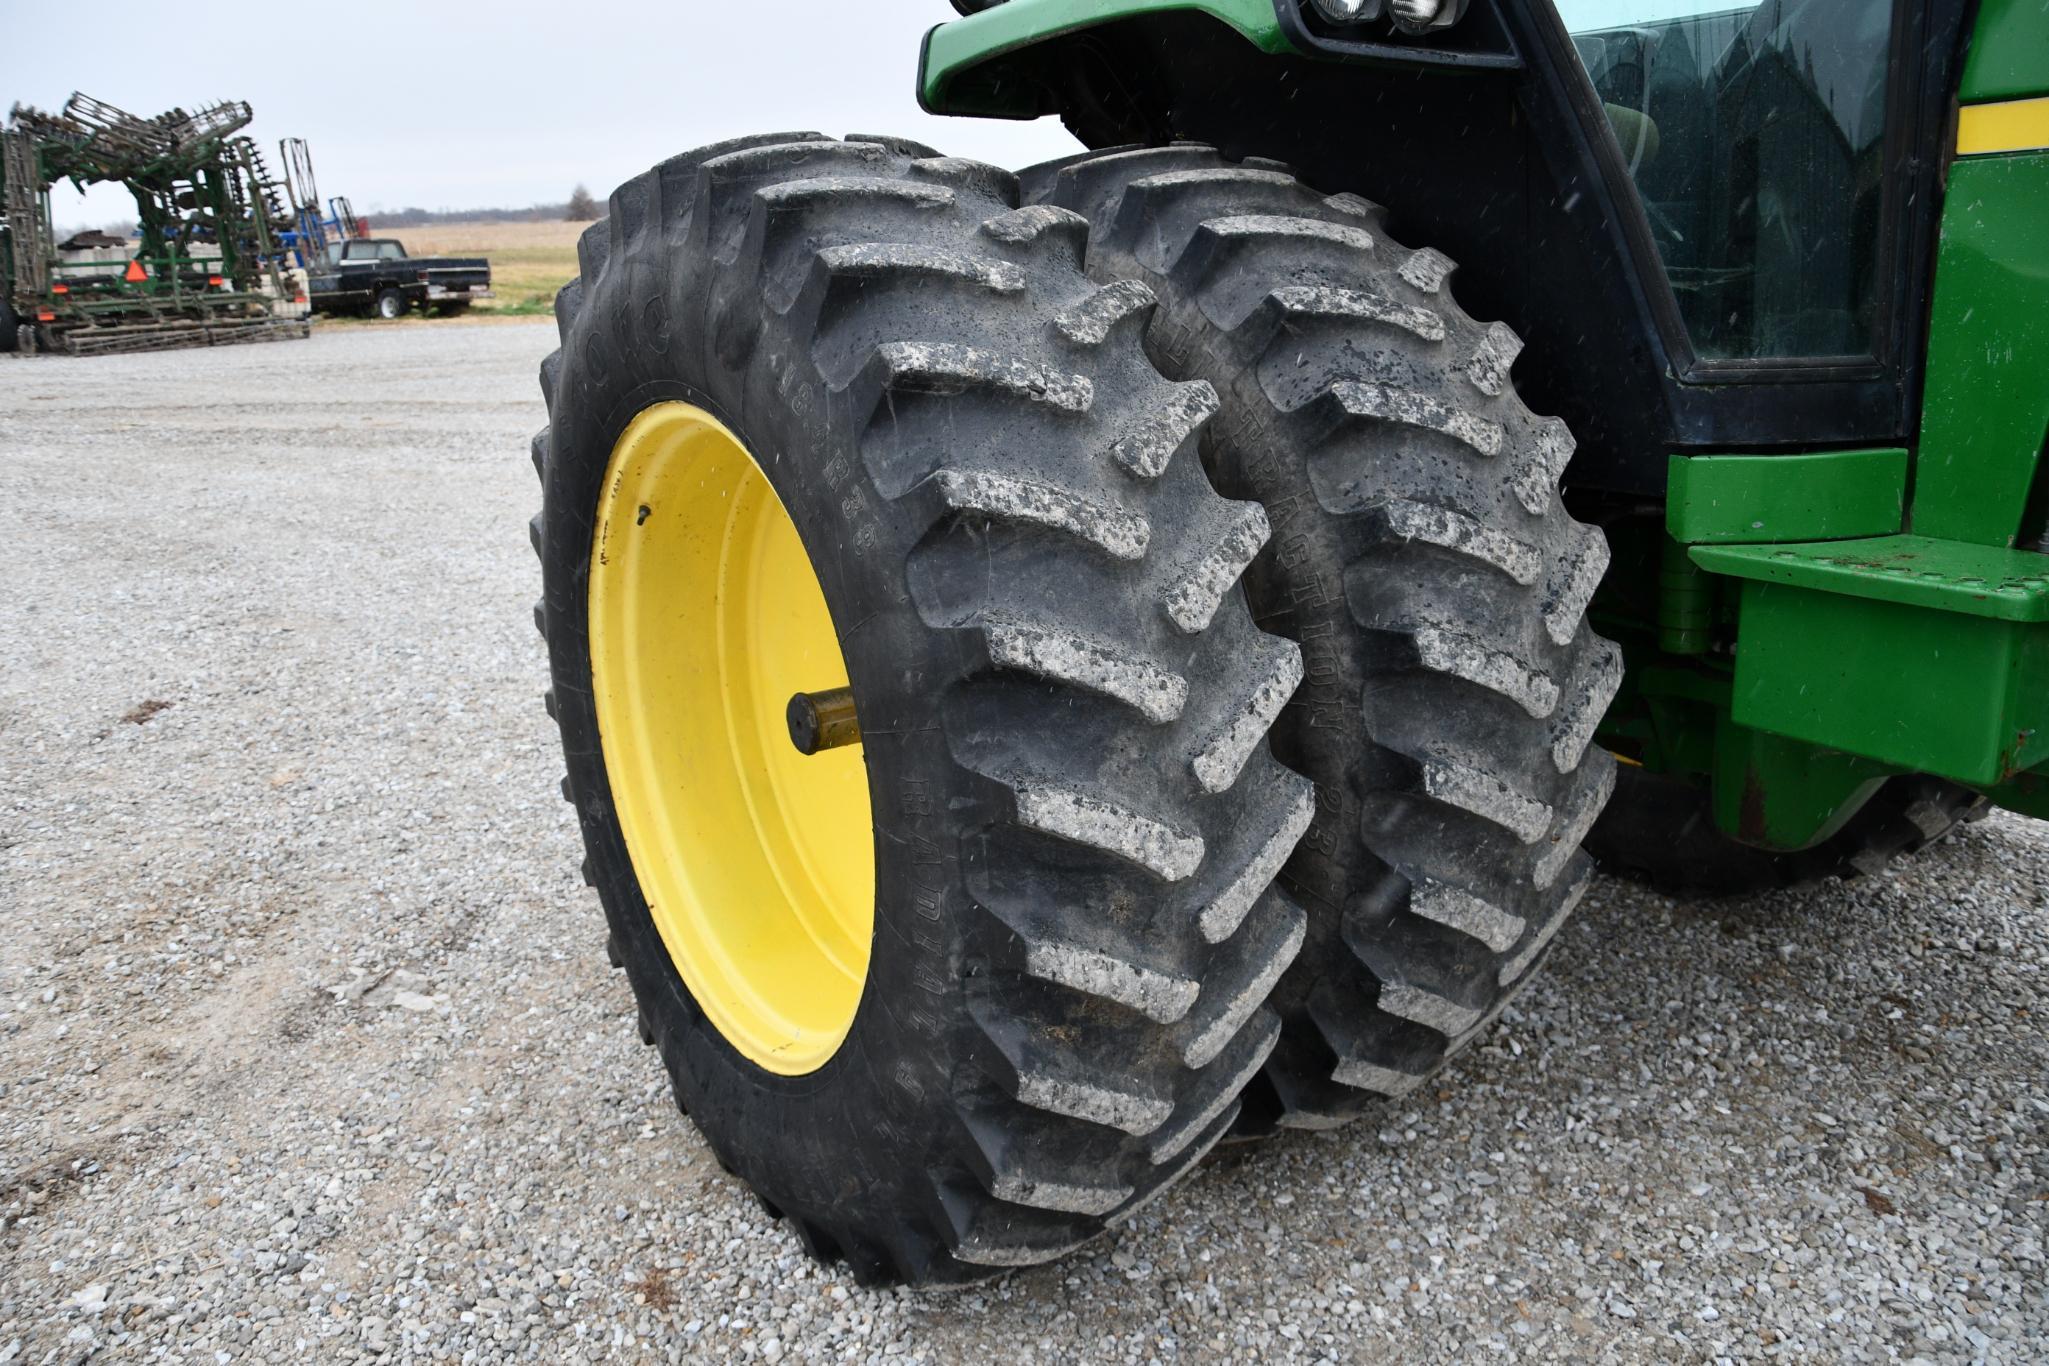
x: 2027, y: 793
x: 1985, y: 406
x: 2009, y: 56
x: 949, y: 81
x: 1942, y: 576
x: 1775, y: 793
x: 1931, y: 691
x: 1738, y: 499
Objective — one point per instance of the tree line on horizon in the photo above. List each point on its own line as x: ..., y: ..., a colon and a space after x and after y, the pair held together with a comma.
x: 580, y: 207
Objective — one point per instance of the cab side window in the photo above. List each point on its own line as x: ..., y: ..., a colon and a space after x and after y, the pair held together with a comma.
x: 1755, y: 134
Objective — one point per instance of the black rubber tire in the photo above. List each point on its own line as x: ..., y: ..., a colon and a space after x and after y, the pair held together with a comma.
x: 9, y: 320
x: 1074, y: 932
x: 389, y: 305
x: 1435, y: 581
x: 1660, y: 831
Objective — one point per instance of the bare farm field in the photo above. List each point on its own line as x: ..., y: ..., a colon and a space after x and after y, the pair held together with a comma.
x: 529, y: 261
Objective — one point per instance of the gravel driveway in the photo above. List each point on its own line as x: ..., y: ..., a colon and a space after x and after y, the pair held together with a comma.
x: 308, y: 1045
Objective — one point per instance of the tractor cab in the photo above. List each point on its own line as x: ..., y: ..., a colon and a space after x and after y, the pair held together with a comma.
x: 1755, y: 136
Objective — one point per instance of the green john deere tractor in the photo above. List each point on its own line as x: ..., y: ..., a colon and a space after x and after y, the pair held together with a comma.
x: 1059, y: 668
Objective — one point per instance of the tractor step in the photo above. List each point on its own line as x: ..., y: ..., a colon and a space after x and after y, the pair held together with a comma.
x: 1926, y: 654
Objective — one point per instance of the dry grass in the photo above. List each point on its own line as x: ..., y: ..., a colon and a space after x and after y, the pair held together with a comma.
x: 529, y: 261
x: 654, y: 1287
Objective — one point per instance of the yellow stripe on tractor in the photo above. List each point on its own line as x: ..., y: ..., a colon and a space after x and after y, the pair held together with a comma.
x: 2009, y: 126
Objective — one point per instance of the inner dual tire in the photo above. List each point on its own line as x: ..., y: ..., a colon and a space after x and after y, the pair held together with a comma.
x: 842, y: 414
x: 1422, y: 558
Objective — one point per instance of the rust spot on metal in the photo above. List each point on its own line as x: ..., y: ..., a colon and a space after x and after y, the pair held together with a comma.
x: 1750, y: 822
x: 2010, y: 765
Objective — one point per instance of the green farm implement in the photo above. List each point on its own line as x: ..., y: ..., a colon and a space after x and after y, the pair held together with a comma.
x: 1058, y: 668
x: 210, y: 267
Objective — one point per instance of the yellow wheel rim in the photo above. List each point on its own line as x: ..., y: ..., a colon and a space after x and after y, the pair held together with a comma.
x: 757, y: 862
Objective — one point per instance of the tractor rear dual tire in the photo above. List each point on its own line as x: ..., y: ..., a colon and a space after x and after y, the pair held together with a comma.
x: 1421, y: 556
x: 1062, y: 697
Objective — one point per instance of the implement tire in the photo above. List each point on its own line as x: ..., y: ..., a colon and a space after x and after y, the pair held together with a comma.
x: 1661, y: 831
x: 1422, y: 558
x: 1062, y: 700
x: 9, y: 320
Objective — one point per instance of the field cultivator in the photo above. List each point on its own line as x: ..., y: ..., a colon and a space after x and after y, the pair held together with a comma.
x: 210, y: 267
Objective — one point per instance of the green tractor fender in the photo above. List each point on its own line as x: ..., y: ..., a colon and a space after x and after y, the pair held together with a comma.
x: 974, y: 66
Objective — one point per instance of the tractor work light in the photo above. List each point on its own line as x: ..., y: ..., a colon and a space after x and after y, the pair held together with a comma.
x: 1408, y: 16
x: 1347, y: 11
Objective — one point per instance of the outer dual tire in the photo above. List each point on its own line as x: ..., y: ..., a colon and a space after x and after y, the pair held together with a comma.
x: 1422, y: 558
x: 1062, y: 698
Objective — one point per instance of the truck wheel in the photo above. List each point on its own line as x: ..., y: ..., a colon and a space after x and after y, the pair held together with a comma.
x: 390, y: 304
x: 1660, y: 830
x: 1422, y: 558
x: 9, y: 321
x: 843, y: 443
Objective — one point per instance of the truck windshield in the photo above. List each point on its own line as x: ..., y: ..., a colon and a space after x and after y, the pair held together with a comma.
x: 1755, y: 134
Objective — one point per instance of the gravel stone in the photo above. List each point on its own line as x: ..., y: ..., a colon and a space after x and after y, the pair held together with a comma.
x: 309, y: 1047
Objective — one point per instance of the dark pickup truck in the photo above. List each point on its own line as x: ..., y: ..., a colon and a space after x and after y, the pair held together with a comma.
x: 374, y: 275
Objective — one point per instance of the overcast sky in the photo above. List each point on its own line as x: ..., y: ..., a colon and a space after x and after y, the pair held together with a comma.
x: 414, y: 105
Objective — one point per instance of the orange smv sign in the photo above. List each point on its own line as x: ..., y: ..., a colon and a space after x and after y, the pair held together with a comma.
x: 135, y: 274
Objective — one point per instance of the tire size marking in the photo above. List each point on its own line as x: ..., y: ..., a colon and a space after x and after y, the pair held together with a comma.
x: 928, y: 881
x: 853, y: 503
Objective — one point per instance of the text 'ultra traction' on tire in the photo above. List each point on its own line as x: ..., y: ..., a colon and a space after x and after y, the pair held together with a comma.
x: 1420, y: 555
x: 838, y: 425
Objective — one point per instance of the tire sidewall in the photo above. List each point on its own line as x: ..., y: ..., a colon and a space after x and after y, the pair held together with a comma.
x: 618, y: 359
